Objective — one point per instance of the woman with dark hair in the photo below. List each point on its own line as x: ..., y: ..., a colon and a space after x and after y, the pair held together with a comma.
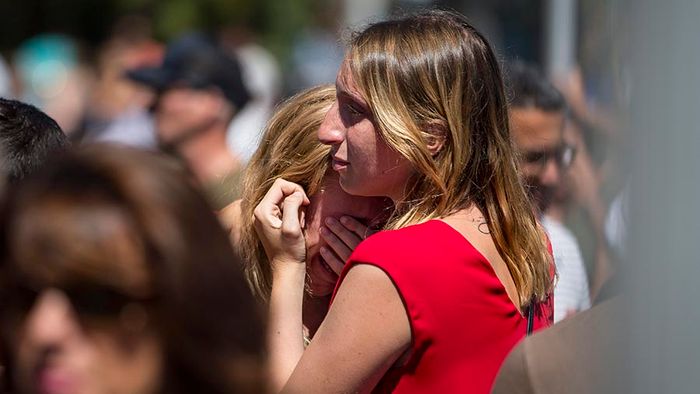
x: 117, y: 278
x: 437, y: 302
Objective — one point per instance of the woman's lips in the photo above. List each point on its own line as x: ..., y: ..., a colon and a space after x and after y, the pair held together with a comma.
x: 338, y: 164
x: 55, y: 381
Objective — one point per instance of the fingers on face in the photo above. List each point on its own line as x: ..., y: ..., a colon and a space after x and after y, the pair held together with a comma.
x: 336, y: 244
x: 333, y: 261
x: 347, y: 236
x: 356, y: 226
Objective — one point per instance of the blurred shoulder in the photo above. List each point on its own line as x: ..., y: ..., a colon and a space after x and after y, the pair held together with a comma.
x: 514, y: 376
x: 230, y: 218
x: 572, y: 356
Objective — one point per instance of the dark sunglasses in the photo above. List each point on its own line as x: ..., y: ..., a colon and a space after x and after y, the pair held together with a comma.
x: 90, y: 302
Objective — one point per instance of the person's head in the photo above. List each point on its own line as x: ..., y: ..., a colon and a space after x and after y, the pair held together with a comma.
x: 537, y: 118
x: 289, y: 149
x: 28, y: 138
x: 199, y: 88
x: 421, y: 116
x: 116, y: 277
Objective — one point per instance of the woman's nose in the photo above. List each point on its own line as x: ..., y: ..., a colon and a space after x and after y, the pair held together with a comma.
x: 332, y: 131
x: 51, y: 320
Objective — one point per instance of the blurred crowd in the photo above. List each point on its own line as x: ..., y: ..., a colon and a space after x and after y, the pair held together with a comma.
x: 184, y: 130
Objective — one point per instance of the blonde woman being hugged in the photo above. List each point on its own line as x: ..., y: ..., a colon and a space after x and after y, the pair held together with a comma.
x: 435, y: 303
x: 290, y: 149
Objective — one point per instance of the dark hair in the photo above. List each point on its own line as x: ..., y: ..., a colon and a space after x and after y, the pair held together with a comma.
x: 28, y: 137
x: 130, y: 221
x: 200, y: 62
x: 528, y: 88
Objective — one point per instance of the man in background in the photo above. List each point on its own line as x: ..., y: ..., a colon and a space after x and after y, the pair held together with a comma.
x: 199, y: 89
x: 537, y: 118
x: 28, y: 138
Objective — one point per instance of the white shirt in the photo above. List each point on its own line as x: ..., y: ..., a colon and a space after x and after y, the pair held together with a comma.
x: 571, y: 289
x: 616, y: 223
x: 262, y: 77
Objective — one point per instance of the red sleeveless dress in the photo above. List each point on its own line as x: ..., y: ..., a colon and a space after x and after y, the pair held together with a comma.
x: 463, y: 323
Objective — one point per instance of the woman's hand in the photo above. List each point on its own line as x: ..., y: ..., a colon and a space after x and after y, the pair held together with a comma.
x: 342, y: 237
x: 279, y: 218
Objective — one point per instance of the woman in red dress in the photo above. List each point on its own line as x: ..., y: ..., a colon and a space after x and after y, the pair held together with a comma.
x: 435, y: 303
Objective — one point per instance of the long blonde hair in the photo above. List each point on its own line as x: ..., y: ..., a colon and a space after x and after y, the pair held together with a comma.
x: 432, y: 75
x: 289, y: 149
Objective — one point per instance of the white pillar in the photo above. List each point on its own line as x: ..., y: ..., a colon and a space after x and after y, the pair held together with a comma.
x: 359, y: 12
x: 560, y: 40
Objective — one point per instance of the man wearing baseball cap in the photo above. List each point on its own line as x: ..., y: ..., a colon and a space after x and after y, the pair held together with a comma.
x: 199, y: 89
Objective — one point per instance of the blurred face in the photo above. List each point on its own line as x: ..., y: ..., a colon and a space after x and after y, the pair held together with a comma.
x: 181, y: 111
x: 332, y: 201
x: 367, y: 166
x: 59, y: 351
x: 538, y: 136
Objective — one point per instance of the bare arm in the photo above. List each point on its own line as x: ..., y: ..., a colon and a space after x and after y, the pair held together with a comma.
x: 285, y: 328
x: 586, y: 187
x: 365, y: 332
x: 278, y: 223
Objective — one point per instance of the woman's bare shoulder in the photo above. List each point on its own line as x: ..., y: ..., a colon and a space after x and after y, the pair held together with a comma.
x: 366, y: 330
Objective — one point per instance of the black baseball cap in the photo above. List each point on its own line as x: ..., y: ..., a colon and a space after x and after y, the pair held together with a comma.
x: 196, y: 61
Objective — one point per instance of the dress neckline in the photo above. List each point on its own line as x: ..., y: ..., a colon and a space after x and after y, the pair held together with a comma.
x: 482, y: 258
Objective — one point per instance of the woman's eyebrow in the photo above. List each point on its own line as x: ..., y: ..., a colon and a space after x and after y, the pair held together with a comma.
x: 353, y: 97
x: 342, y: 89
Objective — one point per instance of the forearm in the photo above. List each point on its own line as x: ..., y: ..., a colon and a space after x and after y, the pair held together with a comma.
x: 285, y: 331
x: 602, y: 270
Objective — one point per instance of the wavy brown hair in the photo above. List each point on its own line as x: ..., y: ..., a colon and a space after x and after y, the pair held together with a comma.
x: 289, y: 149
x: 432, y: 75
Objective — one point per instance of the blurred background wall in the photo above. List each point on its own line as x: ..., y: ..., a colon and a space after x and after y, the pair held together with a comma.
x: 547, y: 32
x: 663, y: 57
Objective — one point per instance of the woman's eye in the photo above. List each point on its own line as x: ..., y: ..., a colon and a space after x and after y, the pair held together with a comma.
x: 354, y: 110
x: 351, y: 111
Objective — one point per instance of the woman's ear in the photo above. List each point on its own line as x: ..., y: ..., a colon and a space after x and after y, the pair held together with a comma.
x: 436, y: 135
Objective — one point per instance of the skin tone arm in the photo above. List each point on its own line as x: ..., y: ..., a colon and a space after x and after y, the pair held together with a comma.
x: 586, y: 188
x: 349, y: 353
x: 278, y: 222
x: 365, y: 332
